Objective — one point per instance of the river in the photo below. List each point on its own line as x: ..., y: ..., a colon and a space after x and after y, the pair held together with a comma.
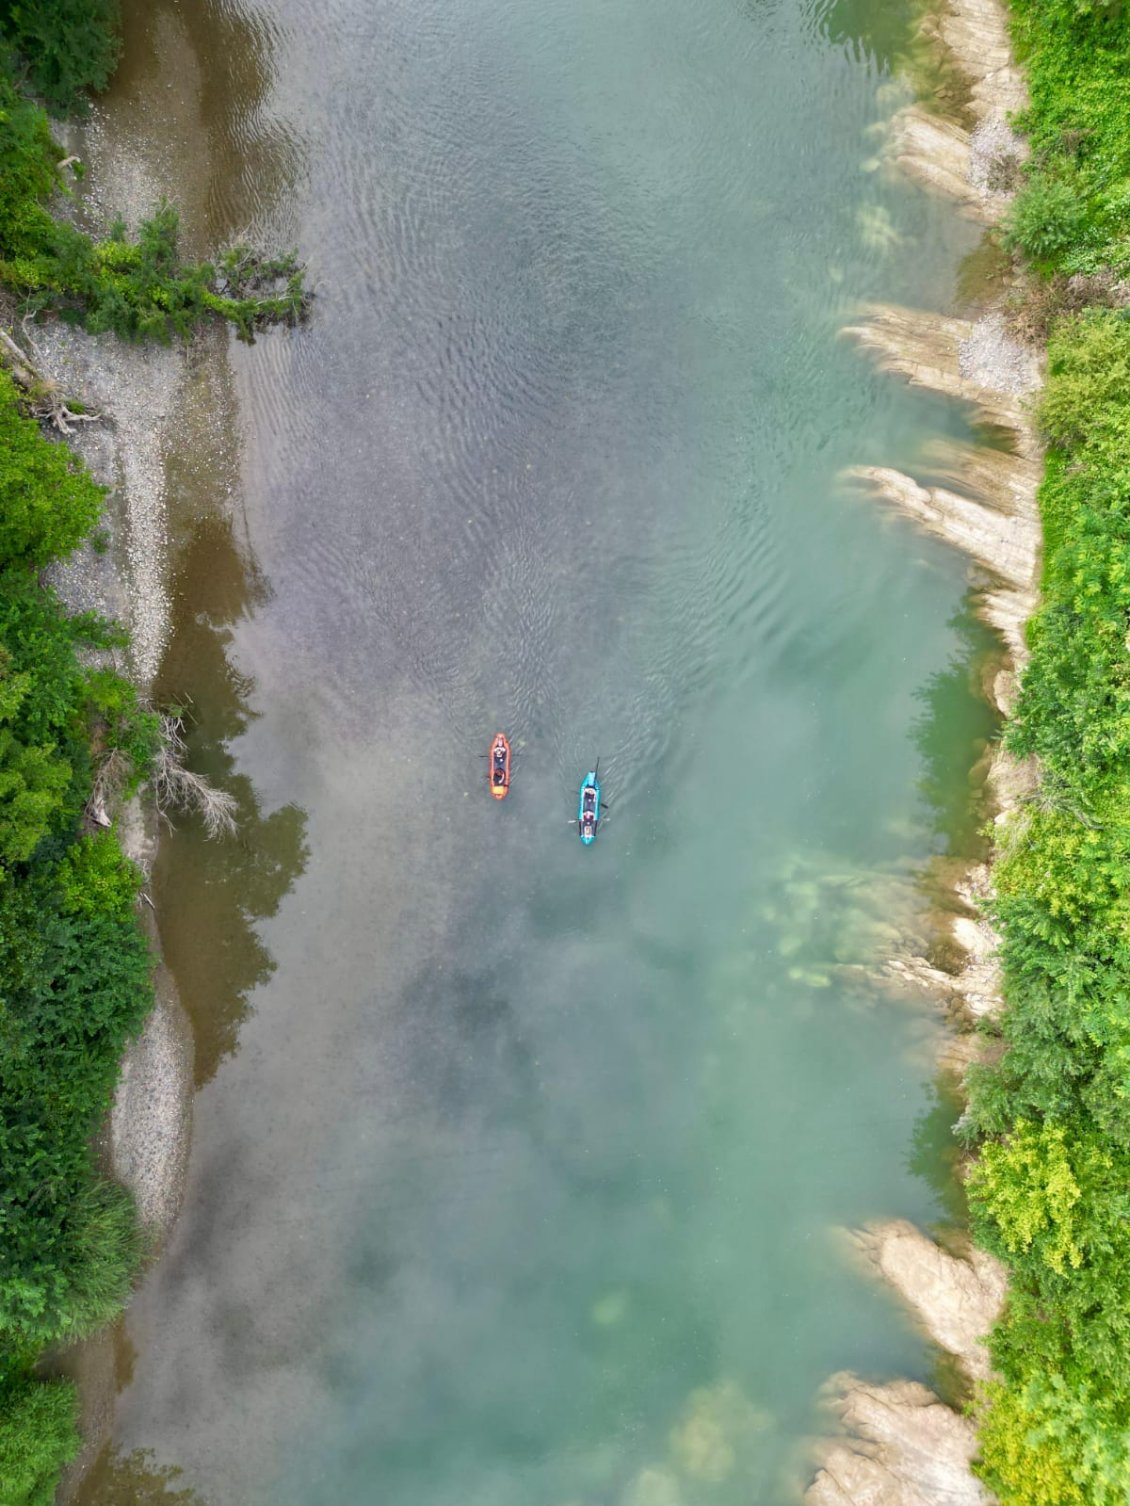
x: 518, y: 1167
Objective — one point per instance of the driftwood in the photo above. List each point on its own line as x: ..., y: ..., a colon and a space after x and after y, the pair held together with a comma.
x: 44, y: 397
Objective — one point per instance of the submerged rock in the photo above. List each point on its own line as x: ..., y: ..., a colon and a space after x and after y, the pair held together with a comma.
x: 719, y: 1422
x: 877, y: 230
x: 830, y: 916
x: 713, y: 1440
x: 653, y: 1487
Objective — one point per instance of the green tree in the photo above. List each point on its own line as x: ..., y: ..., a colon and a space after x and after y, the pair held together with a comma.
x: 33, y: 784
x: 67, y: 46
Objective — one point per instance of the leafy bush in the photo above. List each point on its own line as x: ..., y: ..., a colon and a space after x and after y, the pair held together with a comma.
x: 1089, y: 361
x: 1052, y: 1190
x: 30, y: 157
x: 1027, y: 1191
x: 1061, y: 1444
x: 124, y: 725
x: 141, y: 290
x: 33, y: 785
x: 44, y: 752
x: 1046, y: 218
x: 97, y: 877
x: 37, y: 1437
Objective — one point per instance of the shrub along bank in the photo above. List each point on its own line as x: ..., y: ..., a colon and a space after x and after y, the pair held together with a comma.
x: 1051, y: 1190
x: 74, y: 968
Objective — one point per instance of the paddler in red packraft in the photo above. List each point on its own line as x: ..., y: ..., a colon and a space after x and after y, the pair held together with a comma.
x: 499, y: 766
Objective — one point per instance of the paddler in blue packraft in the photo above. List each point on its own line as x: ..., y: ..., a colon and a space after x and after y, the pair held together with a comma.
x: 588, y: 807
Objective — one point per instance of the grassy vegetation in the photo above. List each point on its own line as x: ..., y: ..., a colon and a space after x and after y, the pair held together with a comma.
x: 1051, y: 1190
x: 37, y: 1437
x: 1073, y: 213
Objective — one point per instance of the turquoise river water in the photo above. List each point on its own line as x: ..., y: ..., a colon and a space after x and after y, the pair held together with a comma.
x: 518, y: 1167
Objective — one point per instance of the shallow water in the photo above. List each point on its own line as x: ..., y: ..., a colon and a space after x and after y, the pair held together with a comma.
x: 518, y: 1166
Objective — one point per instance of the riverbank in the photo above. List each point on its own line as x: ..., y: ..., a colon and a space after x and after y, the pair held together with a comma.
x: 1037, y: 928
x: 98, y: 1053
x: 122, y: 573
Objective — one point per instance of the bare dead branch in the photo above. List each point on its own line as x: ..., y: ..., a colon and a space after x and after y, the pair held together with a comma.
x: 176, y: 787
x: 111, y: 774
x: 43, y: 395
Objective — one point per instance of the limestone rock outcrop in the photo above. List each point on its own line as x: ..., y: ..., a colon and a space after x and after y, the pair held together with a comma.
x: 957, y: 1300
x: 903, y: 1447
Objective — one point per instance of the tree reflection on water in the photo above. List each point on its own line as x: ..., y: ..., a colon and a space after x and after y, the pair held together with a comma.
x: 953, y: 732
x: 211, y: 894
x: 137, y: 1479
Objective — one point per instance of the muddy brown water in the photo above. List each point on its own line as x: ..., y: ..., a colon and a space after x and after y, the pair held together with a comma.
x: 517, y: 1166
